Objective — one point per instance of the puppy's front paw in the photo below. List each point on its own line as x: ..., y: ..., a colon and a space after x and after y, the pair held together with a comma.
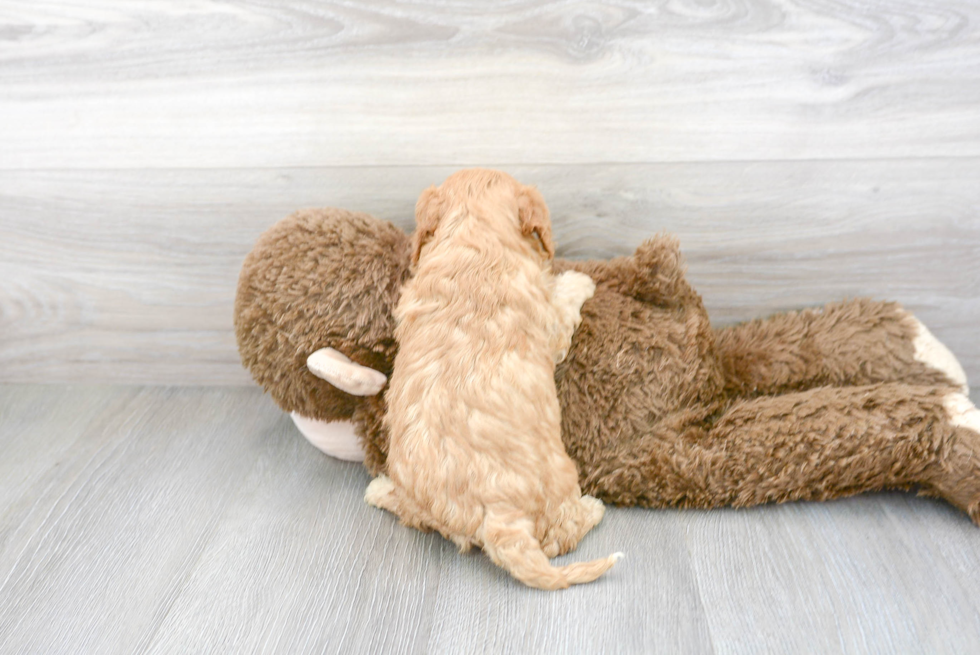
x: 572, y: 289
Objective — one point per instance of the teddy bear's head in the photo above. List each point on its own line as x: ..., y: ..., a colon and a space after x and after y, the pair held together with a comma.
x: 321, y: 281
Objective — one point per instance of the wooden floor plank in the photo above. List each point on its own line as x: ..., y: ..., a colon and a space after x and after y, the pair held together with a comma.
x: 300, y: 564
x: 197, y: 519
x: 662, y: 613
x: 40, y: 425
x: 123, y: 276
x: 96, y: 549
x: 859, y: 575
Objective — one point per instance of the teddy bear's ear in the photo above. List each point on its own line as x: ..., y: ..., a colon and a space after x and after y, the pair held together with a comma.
x: 534, y: 217
x: 428, y: 212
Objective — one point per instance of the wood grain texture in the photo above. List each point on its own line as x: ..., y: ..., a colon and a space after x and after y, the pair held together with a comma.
x: 210, y: 84
x: 138, y: 520
x: 129, y: 276
x: 833, y: 581
x: 111, y: 526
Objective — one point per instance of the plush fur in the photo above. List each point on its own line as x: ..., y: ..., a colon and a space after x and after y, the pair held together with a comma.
x: 475, y: 447
x: 323, y: 277
x: 658, y: 408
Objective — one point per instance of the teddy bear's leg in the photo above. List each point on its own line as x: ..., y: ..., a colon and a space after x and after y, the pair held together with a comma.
x: 812, y: 445
x: 575, y: 518
x: 842, y: 344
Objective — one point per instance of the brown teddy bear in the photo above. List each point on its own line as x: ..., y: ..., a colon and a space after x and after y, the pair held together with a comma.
x: 658, y: 408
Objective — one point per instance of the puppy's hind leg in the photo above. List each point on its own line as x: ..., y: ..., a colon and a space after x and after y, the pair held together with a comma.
x: 380, y: 492
x: 575, y: 518
x: 510, y: 542
x: 591, y: 510
x: 383, y: 494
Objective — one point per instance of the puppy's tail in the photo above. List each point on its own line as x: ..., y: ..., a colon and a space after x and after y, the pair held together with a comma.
x: 512, y: 545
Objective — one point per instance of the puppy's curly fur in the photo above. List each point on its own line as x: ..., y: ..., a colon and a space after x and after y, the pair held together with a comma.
x: 476, y: 450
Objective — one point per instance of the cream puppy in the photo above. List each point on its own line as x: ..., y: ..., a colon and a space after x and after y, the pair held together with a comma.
x: 473, y: 414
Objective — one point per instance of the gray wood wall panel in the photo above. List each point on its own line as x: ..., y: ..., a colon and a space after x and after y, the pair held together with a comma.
x: 129, y: 276
x: 151, y: 84
x: 198, y: 520
x: 804, y: 151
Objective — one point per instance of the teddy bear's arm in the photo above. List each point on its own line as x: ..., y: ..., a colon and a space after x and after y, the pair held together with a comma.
x: 338, y: 369
x: 814, y: 445
x: 653, y: 274
x: 851, y: 343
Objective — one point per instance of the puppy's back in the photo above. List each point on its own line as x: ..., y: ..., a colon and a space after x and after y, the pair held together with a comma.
x: 473, y: 392
x: 473, y: 414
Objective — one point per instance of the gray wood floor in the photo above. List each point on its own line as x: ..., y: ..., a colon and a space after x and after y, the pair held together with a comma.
x: 177, y: 520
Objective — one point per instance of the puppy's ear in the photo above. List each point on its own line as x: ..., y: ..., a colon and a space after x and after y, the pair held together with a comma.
x: 428, y: 212
x: 535, y: 218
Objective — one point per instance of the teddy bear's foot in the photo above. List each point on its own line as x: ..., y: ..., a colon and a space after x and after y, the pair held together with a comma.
x: 930, y: 351
x: 963, y: 413
x: 962, y: 488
